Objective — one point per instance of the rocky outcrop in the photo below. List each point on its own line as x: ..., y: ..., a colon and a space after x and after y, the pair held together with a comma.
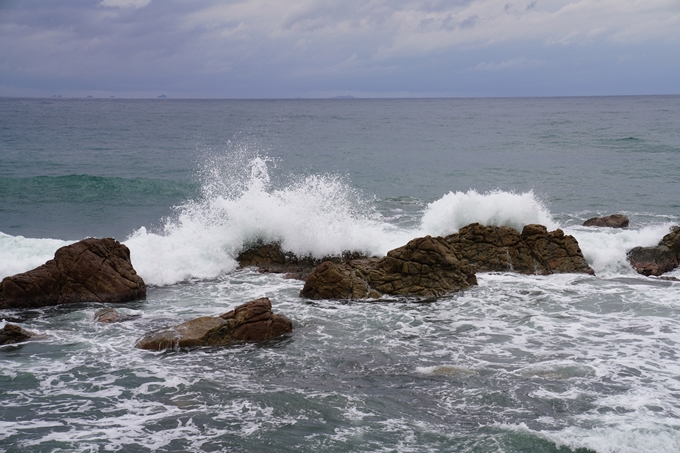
x: 659, y: 259
x: 111, y: 315
x: 610, y: 221
x: 435, y: 266
x: 252, y: 321
x: 92, y: 270
x: 12, y: 333
x: 504, y: 249
x: 425, y: 267
x: 270, y: 258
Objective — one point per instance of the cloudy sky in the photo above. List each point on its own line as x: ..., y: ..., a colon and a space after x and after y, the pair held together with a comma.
x: 322, y: 48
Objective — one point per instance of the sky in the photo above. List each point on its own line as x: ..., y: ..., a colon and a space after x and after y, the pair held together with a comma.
x: 324, y: 48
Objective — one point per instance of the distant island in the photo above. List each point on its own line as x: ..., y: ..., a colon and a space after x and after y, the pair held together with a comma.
x: 162, y: 96
x: 343, y: 97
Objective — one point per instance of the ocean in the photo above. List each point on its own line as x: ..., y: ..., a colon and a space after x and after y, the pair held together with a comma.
x: 560, y: 363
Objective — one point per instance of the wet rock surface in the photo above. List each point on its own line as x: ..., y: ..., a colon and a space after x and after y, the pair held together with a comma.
x: 12, y: 333
x: 533, y: 251
x: 111, y: 315
x: 610, y: 221
x: 425, y: 267
x: 270, y: 258
x: 659, y: 259
x: 433, y: 267
x: 252, y: 321
x: 92, y: 270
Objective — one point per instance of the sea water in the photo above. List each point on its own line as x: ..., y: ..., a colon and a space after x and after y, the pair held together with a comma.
x: 560, y: 363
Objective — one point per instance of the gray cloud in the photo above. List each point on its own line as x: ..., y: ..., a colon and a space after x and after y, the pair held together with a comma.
x: 262, y: 48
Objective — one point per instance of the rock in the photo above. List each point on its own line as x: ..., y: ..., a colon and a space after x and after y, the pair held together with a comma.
x: 252, y: 321
x: 111, y: 315
x: 504, y: 249
x: 425, y: 267
x: 610, y: 221
x: 270, y: 258
x: 92, y: 270
x: 659, y: 259
x: 434, y: 266
x: 12, y: 333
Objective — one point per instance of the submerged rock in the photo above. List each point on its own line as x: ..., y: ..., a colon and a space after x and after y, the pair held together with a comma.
x: 425, y: 267
x: 436, y: 266
x: 252, y: 321
x: 659, y: 259
x: 92, y: 270
x: 534, y: 251
x: 610, y: 221
x: 270, y: 258
x: 12, y: 333
x: 111, y: 315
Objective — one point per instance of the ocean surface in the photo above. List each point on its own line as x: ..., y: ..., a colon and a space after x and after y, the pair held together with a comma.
x: 561, y: 363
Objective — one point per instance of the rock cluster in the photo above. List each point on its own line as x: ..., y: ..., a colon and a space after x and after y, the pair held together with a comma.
x: 252, y: 321
x: 658, y: 259
x: 610, y: 221
x: 435, y: 266
x: 92, y: 270
x: 504, y: 249
x: 12, y: 333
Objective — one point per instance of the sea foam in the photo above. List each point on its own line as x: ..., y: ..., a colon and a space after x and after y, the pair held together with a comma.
x: 457, y: 209
x: 316, y: 215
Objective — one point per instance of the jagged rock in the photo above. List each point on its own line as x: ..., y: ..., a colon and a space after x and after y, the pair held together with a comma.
x: 252, y: 321
x: 504, y: 249
x: 435, y: 266
x: 92, y: 270
x: 659, y: 259
x: 111, y: 315
x: 270, y: 258
x: 425, y: 267
x: 12, y: 333
x: 610, y: 221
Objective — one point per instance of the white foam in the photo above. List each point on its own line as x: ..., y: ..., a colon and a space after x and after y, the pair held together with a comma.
x: 458, y: 209
x: 19, y: 254
x: 317, y: 215
x: 605, y: 248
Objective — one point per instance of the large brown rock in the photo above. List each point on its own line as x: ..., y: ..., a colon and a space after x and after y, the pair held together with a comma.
x: 425, y: 267
x: 658, y: 259
x: 252, y: 321
x: 12, y: 333
x: 92, y: 270
x: 610, y: 221
x: 504, y: 249
x: 270, y: 258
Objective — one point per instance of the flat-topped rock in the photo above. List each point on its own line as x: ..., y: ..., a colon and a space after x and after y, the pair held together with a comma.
x: 610, y: 221
x: 659, y: 259
x: 252, y: 321
x: 92, y: 270
x: 270, y: 258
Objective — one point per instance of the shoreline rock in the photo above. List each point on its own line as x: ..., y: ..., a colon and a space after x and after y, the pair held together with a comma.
x: 12, y: 333
x: 92, y: 270
x: 659, y: 259
x: 609, y: 221
x: 252, y: 321
x: 425, y: 267
x: 533, y: 251
x: 111, y: 315
x: 433, y: 267
x: 270, y: 258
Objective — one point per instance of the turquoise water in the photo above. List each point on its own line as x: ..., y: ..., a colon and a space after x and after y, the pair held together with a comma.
x: 565, y: 363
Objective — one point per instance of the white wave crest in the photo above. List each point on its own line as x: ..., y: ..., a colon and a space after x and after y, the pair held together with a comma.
x: 317, y: 215
x: 19, y: 254
x: 458, y: 209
